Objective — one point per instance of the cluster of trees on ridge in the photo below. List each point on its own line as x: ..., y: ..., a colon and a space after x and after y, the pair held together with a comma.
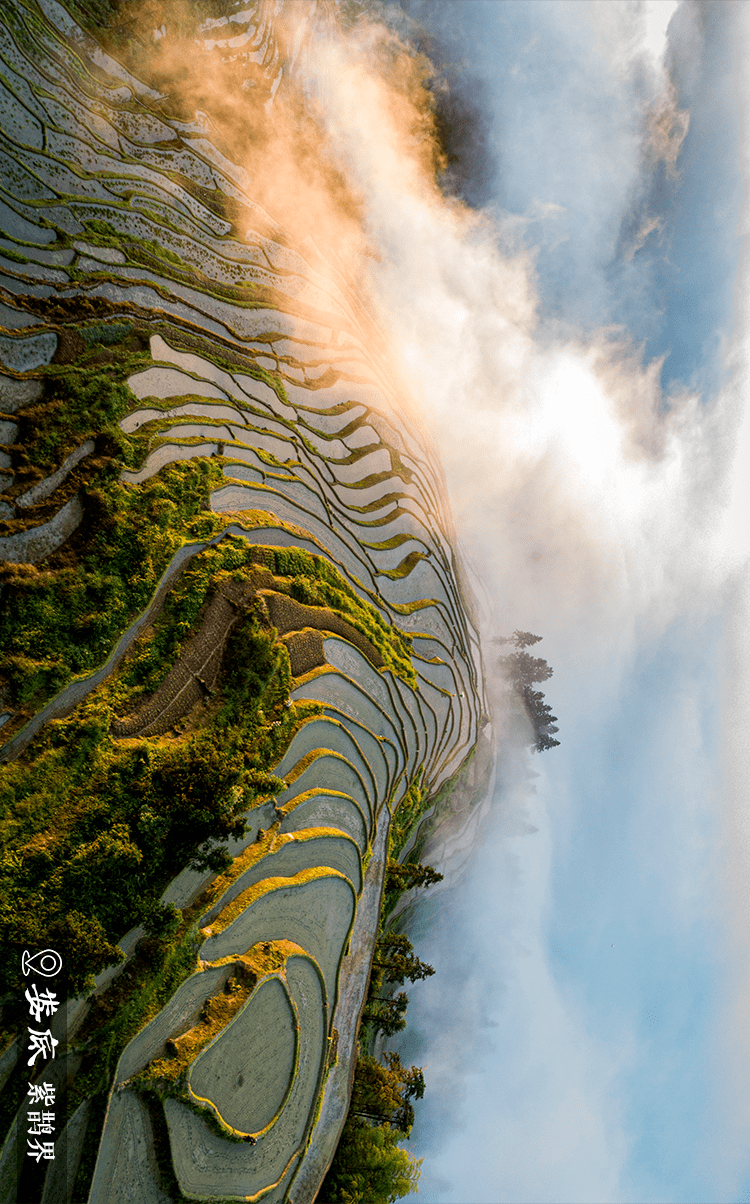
x: 523, y: 671
x: 394, y: 959
x: 370, y: 1167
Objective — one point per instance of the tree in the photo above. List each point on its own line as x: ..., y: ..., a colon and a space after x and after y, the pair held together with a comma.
x: 202, y: 801
x: 83, y: 945
x: 523, y: 669
x: 405, y: 876
x: 387, y: 1015
x: 521, y: 639
x: 161, y: 920
x: 544, y: 742
x: 211, y: 856
x: 394, y: 954
x: 370, y: 1167
x: 382, y: 1091
x: 524, y: 639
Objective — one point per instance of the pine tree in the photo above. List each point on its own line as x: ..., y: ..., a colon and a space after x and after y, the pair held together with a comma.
x: 405, y: 876
x: 387, y: 1015
x: 521, y: 639
x: 524, y: 639
x: 394, y: 954
x: 522, y: 671
x: 544, y: 742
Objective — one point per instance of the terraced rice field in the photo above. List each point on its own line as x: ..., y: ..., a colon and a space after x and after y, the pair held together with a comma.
x: 256, y: 360
x: 247, y: 1071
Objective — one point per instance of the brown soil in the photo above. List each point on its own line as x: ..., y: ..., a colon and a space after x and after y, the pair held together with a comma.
x: 305, y: 651
x: 288, y: 615
x: 196, y: 673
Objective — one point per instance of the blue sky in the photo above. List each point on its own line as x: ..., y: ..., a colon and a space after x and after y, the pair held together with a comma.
x: 559, y: 134
x: 580, y: 357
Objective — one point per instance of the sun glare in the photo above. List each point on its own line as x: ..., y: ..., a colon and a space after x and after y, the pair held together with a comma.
x: 571, y: 416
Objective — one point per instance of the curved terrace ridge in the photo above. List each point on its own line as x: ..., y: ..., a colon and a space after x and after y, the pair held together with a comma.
x: 234, y: 640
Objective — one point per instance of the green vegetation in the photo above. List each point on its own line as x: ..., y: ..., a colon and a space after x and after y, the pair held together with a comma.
x: 228, y: 361
x: 462, y: 791
x: 383, y: 1090
x: 86, y: 811
x: 105, y: 333
x: 386, y: 1013
x: 151, y: 658
x: 315, y: 582
x: 370, y: 1167
x: 7, y: 253
x: 82, y: 811
x: 168, y: 1075
x: 395, y: 957
x: 92, y: 827
x: 76, y: 405
x: 394, y: 961
x: 136, y: 997
x: 157, y: 256
x: 403, y: 876
x: 405, y: 567
x: 410, y: 810
x: 55, y: 625
x: 63, y: 620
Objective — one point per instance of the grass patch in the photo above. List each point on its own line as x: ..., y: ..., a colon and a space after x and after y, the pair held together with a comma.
x: 412, y: 807
x: 78, y: 404
x: 14, y: 256
x: 106, y: 333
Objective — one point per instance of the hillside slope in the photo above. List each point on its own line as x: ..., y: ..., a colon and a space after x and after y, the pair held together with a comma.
x: 233, y: 633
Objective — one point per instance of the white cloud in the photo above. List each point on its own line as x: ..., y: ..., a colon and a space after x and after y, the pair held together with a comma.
x: 594, y: 506
x: 658, y: 14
